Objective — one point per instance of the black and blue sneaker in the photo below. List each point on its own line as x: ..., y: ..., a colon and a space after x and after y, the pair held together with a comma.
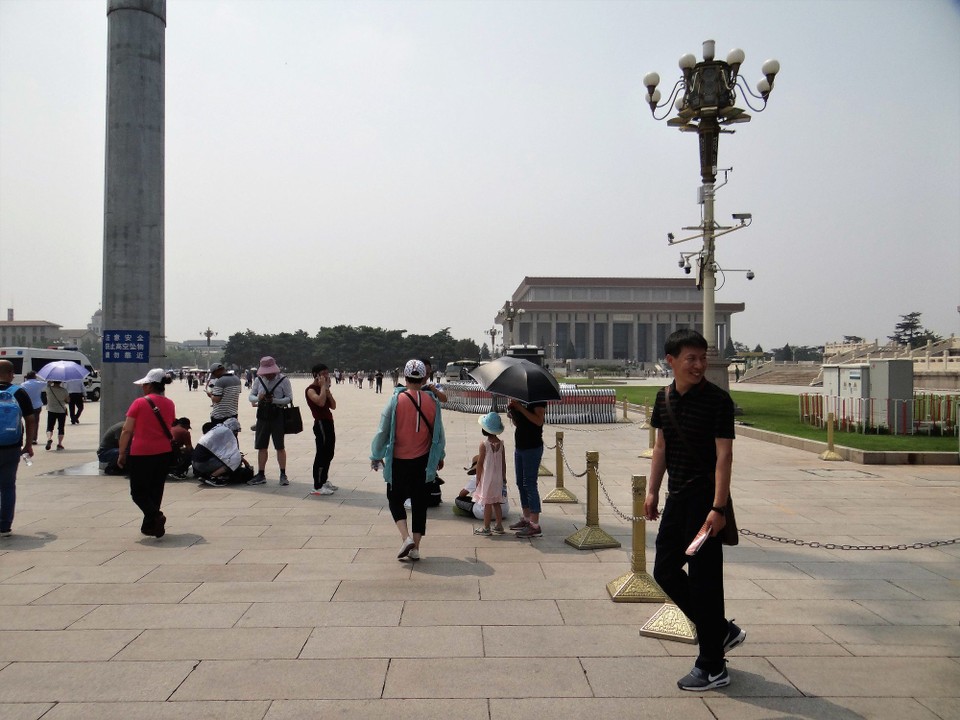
x: 735, y: 637
x: 698, y: 680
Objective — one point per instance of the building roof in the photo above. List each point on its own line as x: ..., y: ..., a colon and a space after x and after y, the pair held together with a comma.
x: 28, y: 323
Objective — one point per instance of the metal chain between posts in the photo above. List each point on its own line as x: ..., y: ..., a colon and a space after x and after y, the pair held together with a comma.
x: 814, y: 544
x: 617, y: 426
x: 567, y: 463
x: 835, y: 546
x: 617, y: 511
x: 792, y: 541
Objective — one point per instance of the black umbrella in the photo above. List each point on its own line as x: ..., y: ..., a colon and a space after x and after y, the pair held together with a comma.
x: 518, y: 379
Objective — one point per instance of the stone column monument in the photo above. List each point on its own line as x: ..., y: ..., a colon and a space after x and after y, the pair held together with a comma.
x: 133, y: 256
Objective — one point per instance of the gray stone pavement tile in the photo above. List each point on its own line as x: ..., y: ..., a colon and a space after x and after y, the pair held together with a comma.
x: 323, y: 614
x: 933, y: 636
x: 256, y: 542
x: 213, y: 573
x: 639, y: 677
x: 40, y: 542
x: 760, y: 571
x: 871, y: 677
x: 220, y: 615
x: 67, y: 574
x: 193, y: 555
x: 91, y: 681
x: 481, y: 612
x: 688, y: 708
x: 288, y: 679
x: 945, y: 708
x: 447, y: 566
x: 24, y: 711
x: 252, y: 710
x: 515, y: 588
x: 538, y: 550
x: 803, y: 612
x: 947, y: 570
x: 916, y: 612
x: 33, y: 558
x: 455, y: 588
x: 222, y: 644
x: 259, y: 557
x: 117, y: 594
x: 919, y: 651
x: 843, y: 708
x: 568, y: 640
x: 932, y: 589
x: 218, y: 592
x: 856, y: 569
x: 42, y: 617
x: 812, y: 589
x: 394, y: 642
x: 61, y: 645
x: 344, y: 571
x: 605, y: 612
x: 405, y: 709
x: 23, y: 594
x: 486, y: 678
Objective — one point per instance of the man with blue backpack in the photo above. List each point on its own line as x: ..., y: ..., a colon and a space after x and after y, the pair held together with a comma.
x: 15, y: 409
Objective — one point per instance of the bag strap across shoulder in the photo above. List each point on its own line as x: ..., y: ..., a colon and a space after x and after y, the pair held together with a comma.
x: 163, y: 423
x: 417, y: 406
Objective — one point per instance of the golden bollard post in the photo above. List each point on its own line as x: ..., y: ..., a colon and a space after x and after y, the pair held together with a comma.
x: 592, y: 536
x: 624, y: 408
x: 645, y: 423
x: 651, y: 435
x: 829, y: 453
x: 637, y: 585
x: 560, y: 494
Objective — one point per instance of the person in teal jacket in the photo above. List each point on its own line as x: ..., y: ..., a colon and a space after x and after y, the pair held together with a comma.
x: 409, y: 445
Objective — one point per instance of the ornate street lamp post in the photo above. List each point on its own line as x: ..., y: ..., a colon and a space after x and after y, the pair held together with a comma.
x: 493, y: 332
x: 510, y: 312
x: 704, y: 100
x: 208, y: 333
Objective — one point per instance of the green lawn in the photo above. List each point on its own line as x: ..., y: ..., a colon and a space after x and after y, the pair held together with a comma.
x: 780, y: 413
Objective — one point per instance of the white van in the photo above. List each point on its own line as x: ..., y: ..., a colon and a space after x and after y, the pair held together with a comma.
x: 25, y: 359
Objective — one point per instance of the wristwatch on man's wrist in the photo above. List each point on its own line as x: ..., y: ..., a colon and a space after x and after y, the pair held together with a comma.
x: 721, y: 510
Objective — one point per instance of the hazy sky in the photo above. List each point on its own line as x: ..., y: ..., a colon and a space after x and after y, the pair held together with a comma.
x: 406, y: 164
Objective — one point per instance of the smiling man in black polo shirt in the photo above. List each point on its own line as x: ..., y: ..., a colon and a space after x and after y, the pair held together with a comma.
x: 694, y: 447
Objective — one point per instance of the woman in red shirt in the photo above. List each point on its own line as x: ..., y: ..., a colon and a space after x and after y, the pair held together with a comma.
x: 147, y: 453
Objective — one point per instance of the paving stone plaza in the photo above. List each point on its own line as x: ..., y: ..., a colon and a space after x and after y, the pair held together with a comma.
x: 267, y: 602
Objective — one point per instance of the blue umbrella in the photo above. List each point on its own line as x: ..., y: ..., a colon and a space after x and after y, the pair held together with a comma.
x: 62, y: 370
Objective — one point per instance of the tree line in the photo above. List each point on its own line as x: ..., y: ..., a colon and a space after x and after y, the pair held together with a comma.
x: 348, y: 348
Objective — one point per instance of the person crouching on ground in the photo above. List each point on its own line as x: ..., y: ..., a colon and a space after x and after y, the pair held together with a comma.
x: 410, y: 446
x: 217, y: 459
x: 145, y: 449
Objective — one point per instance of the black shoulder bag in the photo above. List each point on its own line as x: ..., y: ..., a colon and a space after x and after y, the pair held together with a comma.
x: 729, y: 535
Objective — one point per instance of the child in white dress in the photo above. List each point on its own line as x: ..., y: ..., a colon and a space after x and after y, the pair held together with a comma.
x: 491, y: 474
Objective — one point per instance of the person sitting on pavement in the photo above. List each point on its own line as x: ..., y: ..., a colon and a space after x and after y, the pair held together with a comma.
x: 183, y: 445
x: 217, y: 459
x: 109, y: 449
